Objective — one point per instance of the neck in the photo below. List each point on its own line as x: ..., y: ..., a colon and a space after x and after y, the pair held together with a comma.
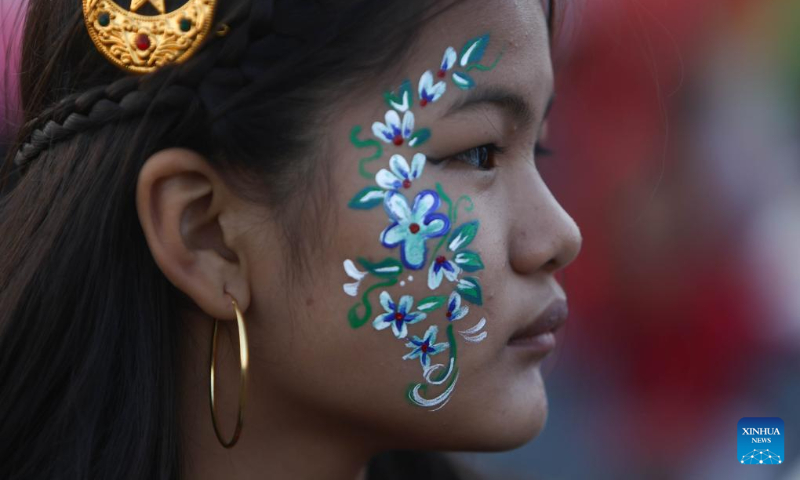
x: 279, y: 439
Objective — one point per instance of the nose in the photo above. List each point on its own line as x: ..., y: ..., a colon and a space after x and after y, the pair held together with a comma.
x: 543, y: 236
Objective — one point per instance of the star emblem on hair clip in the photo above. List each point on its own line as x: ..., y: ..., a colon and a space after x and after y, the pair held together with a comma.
x: 157, y: 4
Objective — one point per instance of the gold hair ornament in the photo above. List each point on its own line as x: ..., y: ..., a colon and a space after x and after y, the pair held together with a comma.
x: 143, y: 43
x: 243, y: 359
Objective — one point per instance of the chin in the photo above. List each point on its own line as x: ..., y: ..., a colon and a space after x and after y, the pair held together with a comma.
x: 517, y: 413
x: 522, y: 424
x: 507, y: 433
x: 504, y: 422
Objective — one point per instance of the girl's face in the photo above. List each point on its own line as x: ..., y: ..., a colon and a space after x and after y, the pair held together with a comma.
x: 435, y: 249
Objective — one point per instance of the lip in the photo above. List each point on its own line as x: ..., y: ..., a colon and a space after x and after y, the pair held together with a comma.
x: 538, y: 335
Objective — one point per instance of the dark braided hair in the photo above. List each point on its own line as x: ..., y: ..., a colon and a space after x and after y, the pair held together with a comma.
x: 86, y: 111
x: 252, y: 55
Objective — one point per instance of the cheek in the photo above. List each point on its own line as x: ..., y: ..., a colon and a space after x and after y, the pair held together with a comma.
x: 325, y: 350
x: 345, y: 364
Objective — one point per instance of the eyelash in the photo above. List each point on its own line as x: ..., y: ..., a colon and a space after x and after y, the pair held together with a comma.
x: 491, y: 149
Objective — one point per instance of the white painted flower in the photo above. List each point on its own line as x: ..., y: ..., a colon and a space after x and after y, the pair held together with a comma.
x: 398, y: 315
x: 394, y: 131
x: 354, y: 273
x: 428, y: 92
x: 442, y: 267
x: 424, y: 347
x: 401, y: 175
x: 455, y: 311
x: 448, y: 60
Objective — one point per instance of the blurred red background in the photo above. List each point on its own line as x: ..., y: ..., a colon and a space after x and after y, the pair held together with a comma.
x: 675, y: 128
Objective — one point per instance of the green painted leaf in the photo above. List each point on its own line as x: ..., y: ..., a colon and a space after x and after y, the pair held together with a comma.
x: 368, y: 197
x: 428, y: 304
x: 388, y: 267
x: 463, y: 81
x: 463, y: 235
x: 473, y: 50
x: 470, y: 289
x: 419, y: 137
x: 356, y: 320
x: 469, y: 261
x: 403, y: 100
x: 370, y: 142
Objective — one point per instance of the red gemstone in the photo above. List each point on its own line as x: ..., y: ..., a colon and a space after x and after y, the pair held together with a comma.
x: 424, y: 347
x: 414, y: 228
x: 398, y: 316
x: 142, y: 41
x: 398, y: 140
x: 423, y: 102
x: 440, y: 73
x: 440, y: 259
x: 406, y: 183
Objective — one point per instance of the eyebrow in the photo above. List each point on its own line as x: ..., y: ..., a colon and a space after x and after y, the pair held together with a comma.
x: 511, y: 102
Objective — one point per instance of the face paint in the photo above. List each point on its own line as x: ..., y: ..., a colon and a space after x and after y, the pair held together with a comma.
x: 412, y: 225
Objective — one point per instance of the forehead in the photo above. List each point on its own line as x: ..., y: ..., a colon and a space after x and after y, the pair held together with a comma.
x: 518, y: 27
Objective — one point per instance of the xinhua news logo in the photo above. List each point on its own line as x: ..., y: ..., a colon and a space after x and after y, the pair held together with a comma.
x: 760, y: 441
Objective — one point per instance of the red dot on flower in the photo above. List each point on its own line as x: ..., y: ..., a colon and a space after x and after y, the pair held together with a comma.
x: 397, y: 140
x: 440, y: 259
x: 423, y: 102
x: 142, y: 41
x: 440, y: 73
x: 406, y: 183
x: 398, y: 316
x: 424, y: 347
x: 414, y: 228
x: 449, y: 314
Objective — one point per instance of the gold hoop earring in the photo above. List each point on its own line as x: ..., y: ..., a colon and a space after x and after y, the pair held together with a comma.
x: 243, y: 358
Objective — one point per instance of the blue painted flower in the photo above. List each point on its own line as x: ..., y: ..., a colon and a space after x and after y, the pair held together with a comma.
x: 440, y: 267
x: 401, y: 175
x: 454, y: 309
x: 413, y: 225
x: 393, y: 131
x: 398, y: 315
x: 428, y: 92
x: 424, y: 347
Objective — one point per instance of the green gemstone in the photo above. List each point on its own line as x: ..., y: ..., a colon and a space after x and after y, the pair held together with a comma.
x: 185, y: 24
x: 104, y: 19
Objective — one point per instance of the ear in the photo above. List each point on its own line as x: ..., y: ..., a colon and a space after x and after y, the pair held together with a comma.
x: 190, y: 220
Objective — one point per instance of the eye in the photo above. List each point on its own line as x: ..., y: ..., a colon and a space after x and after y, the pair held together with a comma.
x: 541, y: 151
x: 482, y: 157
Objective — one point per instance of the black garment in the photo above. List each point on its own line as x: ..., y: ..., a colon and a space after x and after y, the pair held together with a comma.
x: 416, y: 465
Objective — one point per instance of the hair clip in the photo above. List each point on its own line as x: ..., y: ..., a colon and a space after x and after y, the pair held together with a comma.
x: 140, y: 43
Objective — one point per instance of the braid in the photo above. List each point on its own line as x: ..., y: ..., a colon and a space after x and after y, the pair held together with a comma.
x: 254, y: 52
x: 120, y: 100
x: 172, y: 87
